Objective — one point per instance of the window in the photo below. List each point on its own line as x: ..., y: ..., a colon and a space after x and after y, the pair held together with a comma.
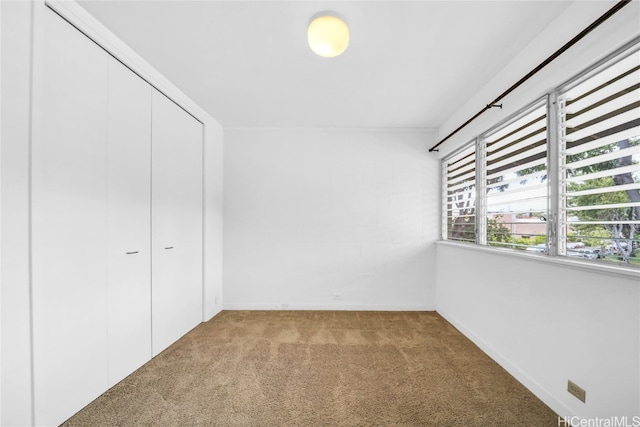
x: 459, y: 176
x: 515, y: 175
x: 584, y: 202
x: 600, y: 163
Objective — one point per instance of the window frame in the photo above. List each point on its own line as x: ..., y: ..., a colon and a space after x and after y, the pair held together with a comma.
x: 445, y: 190
x: 555, y: 237
x: 481, y: 164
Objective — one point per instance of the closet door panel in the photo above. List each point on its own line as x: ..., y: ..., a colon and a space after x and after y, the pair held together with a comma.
x: 69, y: 226
x: 129, y: 222
x: 176, y: 222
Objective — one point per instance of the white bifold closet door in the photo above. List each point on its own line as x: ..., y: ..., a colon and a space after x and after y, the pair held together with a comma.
x: 176, y: 222
x: 69, y: 226
x: 91, y: 224
x: 129, y: 222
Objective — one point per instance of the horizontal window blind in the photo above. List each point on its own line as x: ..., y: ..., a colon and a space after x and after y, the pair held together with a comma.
x: 600, y: 163
x: 460, y: 196
x: 515, y: 180
x: 585, y: 200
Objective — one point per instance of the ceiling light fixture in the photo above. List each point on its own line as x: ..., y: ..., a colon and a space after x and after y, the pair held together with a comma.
x: 328, y: 35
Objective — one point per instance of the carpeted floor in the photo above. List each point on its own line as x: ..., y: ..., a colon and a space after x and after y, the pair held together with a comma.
x: 319, y: 368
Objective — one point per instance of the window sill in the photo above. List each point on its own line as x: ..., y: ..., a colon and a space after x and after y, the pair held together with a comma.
x: 596, y: 267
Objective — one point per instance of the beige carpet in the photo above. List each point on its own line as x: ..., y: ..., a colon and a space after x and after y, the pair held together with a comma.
x: 315, y: 368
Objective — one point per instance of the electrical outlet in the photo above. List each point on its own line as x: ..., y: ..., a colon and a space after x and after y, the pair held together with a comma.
x: 336, y: 295
x: 577, y: 391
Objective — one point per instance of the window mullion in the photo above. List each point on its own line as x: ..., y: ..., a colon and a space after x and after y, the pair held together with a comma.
x: 481, y: 192
x: 494, y: 189
x: 553, y: 176
x: 561, y: 186
x: 445, y: 202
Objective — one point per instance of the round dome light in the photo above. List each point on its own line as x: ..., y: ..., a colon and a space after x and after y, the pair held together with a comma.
x: 328, y: 35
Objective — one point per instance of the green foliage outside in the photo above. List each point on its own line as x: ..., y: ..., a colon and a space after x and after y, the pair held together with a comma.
x: 618, y: 238
x: 621, y: 241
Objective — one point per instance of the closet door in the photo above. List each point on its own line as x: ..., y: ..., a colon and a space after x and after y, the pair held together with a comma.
x: 176, y: 222
x: 69, y: 226
x: 129, y: 222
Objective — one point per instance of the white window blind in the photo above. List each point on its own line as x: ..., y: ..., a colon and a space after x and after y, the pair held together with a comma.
x: 600, y: 164
x: 515, y: 181
x: 459, y: 180
x: 562, y: 176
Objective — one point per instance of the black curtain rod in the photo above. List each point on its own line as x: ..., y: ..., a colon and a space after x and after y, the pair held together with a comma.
x: 543, y: 64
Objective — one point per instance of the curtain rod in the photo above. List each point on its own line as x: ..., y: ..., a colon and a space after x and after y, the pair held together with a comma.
x: 543, y: 64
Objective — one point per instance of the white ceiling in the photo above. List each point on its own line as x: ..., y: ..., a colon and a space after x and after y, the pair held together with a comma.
x: 409, y: 63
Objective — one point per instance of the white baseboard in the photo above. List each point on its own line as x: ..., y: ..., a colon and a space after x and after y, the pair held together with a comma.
x: 543, y: 394
x: 327, y: 307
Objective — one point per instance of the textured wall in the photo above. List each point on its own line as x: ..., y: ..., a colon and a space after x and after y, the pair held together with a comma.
x: 312, y: 213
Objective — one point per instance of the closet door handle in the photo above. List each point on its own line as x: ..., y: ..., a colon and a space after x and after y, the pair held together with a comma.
x: 169, y: 247
x: 131, y: 253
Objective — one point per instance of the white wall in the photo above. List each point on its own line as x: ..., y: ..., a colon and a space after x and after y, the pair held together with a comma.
x: 620, y: 28
x: 547, y: 323
x: 15, y: 370
x: 213, y: 219
x: 310, y: 213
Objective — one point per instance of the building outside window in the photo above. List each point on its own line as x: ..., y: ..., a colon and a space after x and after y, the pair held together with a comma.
x: 584, y: 202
